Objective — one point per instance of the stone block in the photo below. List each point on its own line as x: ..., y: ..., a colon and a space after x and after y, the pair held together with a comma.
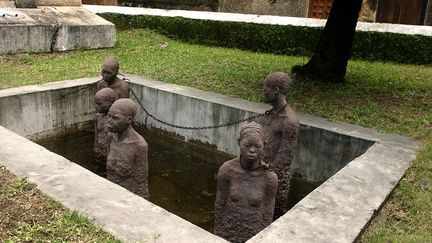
x: 88, y: 36
x: 23, y: 39
x: 48, y: 29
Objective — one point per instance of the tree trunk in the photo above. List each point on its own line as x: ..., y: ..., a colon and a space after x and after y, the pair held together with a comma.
x: 329, y: 62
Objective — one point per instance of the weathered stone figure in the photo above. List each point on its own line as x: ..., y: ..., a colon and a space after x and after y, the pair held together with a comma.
x: 246, y: 189
x: 109, y: 73
x: 127, y: 163
x: 281, y: 132
x: 104, y: 98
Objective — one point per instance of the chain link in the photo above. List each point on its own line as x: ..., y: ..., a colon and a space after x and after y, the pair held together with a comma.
x: 148, y: 114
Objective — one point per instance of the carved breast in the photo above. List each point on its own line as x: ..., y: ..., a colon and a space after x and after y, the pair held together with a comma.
x: 247, y: 192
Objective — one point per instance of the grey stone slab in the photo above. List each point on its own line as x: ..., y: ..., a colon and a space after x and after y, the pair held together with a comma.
x: 47, y: 29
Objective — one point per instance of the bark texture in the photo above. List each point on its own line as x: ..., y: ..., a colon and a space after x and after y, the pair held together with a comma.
x: 330, y: 59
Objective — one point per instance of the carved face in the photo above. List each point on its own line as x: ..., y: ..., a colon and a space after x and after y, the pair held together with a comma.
x: 251, y: 146
x: 103, y: 104
x: 117, y: 120
x: 270, y: 93
x: 109, y: 72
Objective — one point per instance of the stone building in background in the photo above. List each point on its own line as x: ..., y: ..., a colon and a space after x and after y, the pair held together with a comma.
x: 293, y: 8
x: 368, y: 11
x: 417, y: 12
x: 428, y: 19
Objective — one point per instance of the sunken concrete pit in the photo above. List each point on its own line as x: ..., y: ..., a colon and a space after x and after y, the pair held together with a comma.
x: 358, y: 167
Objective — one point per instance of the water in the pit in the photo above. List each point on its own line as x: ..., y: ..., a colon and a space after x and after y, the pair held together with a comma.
x: 182, y: 175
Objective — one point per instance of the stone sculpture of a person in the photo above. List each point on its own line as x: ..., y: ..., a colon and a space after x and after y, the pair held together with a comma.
x: 127, y: 163
x: 281, y: 132
x: 104, y: 98
x: 109, y: 72
x: 246, y: 189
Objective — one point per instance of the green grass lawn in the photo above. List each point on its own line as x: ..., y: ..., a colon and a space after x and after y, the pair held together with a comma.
x: 389, y: 97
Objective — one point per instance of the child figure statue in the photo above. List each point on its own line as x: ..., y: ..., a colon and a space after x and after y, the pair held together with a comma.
x: 127, y: 163
x: 104, y: 98
x: 281, y: 132
x: 109, y: 72
x: 246, y: 189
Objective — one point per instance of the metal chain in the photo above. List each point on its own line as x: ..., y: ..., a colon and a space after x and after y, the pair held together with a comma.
x: 186, y: 127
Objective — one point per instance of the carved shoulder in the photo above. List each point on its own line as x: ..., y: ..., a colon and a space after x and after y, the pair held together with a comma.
x: 101, y: 84
x: 272, y: 177
x: 272, y: 182
x: 141, y: 143
x: 227, y: 166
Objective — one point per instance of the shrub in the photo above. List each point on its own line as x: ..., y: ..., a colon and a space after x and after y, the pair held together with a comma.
x: 279, y: 39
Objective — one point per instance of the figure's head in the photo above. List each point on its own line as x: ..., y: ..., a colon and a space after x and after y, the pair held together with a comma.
x: 121, y: 114
x: 104, y: 98
x: 276, y: 84
x: 251, y: 142
x: 110, y: 69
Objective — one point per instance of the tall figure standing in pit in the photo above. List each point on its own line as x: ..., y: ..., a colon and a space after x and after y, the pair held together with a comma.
x: 127, y: 162
x: 281, y: 132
